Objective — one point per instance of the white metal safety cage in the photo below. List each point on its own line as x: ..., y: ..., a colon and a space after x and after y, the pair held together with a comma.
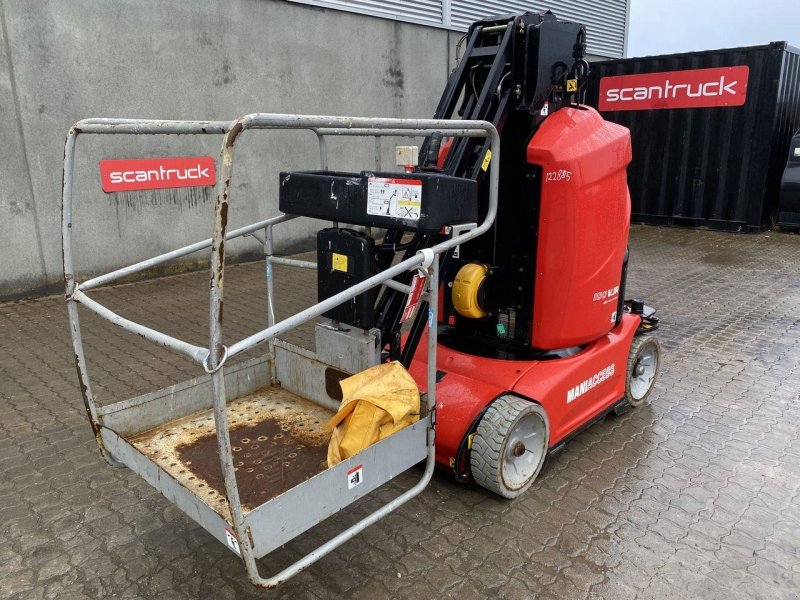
x: 258, y: 532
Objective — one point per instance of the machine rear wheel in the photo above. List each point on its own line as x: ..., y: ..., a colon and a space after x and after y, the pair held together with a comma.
x: 644, y: 363
x: 509, y: 446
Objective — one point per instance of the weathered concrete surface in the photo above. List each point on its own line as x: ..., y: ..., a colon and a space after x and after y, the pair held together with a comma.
x: 61, y: 61
x: 694, y: 495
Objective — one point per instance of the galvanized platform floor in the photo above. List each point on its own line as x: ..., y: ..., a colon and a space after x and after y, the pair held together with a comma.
x: 277, y: 440
x: 695, y: 495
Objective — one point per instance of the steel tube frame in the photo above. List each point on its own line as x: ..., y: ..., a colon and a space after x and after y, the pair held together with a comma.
x: 105, y: 126
x: 396, y: 285
x: 217, y: 353
x: 324, y: 126
x: 196, y: 353
x: 293, y: 262
x: 168, y: 256
x: 374, y: 517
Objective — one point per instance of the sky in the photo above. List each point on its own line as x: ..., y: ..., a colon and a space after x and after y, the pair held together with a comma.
x: 667, y: 26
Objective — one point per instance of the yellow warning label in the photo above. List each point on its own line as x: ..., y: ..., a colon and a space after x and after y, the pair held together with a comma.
x: 487, y: 159
x: 340, y: 262
x: 572, y: 85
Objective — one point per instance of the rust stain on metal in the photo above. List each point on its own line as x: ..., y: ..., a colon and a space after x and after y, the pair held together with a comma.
x: 220, y: 262
x: 230, y: 139
x: 277, y: 439
x: 223, y: 213
x: 84, y: 388
x: 220, y: 250
x: 85, y: 394
x: 269, y: 457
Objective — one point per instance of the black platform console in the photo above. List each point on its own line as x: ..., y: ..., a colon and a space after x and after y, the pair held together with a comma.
x: 345, y: 257
x: 410, y: 201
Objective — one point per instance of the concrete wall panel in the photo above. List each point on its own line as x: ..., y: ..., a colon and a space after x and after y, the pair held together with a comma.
x: 69, y: 60
x: 21, y: 260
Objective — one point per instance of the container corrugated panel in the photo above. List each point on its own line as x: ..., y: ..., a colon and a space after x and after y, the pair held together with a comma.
x: 716, y: 167
x: 788, y: 123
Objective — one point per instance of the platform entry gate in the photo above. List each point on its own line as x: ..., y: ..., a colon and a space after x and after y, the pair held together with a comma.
x: 221, y: 398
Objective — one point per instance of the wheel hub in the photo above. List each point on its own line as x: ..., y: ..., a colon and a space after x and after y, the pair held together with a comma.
x: 644, y: 372
x: 525, y: 446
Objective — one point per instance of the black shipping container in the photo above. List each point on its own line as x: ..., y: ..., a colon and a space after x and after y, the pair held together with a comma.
x: 789, y: 203
x: 713, y: 166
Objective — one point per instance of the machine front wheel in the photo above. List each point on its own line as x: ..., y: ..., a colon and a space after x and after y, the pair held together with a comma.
x: 644, y: 363
x: 509, y: 446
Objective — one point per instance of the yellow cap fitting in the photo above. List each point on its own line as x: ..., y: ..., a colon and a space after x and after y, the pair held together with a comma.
x: 465, y: 290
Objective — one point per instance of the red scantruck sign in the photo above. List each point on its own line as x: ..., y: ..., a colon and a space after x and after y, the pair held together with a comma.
x: 697, y: 88
x: 129, y: 174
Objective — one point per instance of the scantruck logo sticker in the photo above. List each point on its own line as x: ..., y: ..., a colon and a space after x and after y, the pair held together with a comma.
x: 128, y: 174
x: 696, y: 88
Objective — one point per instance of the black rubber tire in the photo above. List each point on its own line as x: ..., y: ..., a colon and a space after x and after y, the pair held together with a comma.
x: 637, y: 346
x: 489, y: 444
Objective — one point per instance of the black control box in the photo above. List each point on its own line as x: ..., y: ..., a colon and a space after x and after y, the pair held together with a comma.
x: 346, y: 257
x: 421, y: 201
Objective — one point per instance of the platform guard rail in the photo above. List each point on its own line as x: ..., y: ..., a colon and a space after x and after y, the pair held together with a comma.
x: 213, y: 358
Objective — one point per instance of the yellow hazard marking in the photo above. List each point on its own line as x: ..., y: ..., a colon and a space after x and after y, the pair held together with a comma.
x: 572, y: 85
x: 487, y: 159
x: 340, y: 262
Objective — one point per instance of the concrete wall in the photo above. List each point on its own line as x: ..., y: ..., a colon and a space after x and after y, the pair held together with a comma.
x: 64, y: 60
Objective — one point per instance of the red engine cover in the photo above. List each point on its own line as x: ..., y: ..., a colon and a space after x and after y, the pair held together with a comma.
x: 583, y: 226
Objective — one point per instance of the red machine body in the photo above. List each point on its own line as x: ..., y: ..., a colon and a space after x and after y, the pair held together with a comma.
x: 534, y: 338
x: 583, y: 226
x: 583, y: 212
x: 572, y: 390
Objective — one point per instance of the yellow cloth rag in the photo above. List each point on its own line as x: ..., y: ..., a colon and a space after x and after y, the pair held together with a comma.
x: 375, y: 403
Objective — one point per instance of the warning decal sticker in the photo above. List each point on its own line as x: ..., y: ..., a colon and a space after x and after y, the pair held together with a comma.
x: 339, y: 262
x: 233, y: 542
x: 396, y: 198
x: 355, y: 476
x: 412, y: 302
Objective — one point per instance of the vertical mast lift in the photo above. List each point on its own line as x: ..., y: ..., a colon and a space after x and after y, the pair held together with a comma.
x: 506, y: 337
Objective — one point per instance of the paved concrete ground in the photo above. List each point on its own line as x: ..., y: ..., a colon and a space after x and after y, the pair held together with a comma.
x: 695, y: 495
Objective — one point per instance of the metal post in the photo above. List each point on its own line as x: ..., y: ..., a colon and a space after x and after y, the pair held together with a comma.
x: 323, y: 150
x: 217, y: 351
x: 69, y: 282
x: 269, y: 250
x: 368, y: 230
x: 433, y: 318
